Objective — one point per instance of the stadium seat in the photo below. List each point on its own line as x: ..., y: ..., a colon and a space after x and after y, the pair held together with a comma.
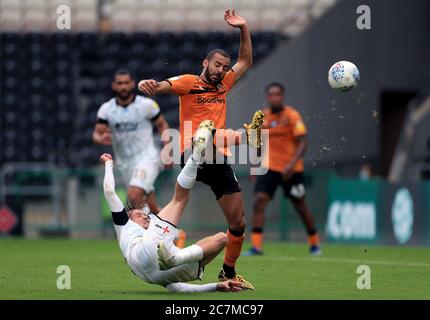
x: 223, y: 4
x: 178, y: 5
x: 84, y: 20
x: 123, y: 19
x: 196, y: 19
x: 271, y: 19
x: 79, y: 67
x: 147, y: 21
x: 148, y: 5
x: 170, y: 19
x: 10, y: 4
x: 10, y: 19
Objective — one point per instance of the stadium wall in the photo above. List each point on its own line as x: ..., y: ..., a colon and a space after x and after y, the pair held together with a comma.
x: 344, y: 129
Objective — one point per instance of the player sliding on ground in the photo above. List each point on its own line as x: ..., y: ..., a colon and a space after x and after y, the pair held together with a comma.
x: 139, y: 234
x: 203, y: 97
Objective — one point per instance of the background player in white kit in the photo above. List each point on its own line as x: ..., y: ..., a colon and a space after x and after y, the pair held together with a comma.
x: 146, y: 241
x: 125, y: 122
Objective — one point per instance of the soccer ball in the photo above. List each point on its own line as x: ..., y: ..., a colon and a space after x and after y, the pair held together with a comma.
x: 343, y: 76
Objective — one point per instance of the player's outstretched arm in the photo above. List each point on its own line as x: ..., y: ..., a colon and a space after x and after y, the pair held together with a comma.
x: 112, y: 198
x: 225, y: 286
x: 244, y: 59
x: 152, y: 87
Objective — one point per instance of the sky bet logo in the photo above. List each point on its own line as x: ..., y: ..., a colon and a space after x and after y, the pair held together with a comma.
x: 203, y: 100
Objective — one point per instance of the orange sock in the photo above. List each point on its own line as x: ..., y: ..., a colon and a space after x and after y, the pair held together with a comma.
x: 180, y: 241
x: 257, y: 240
x: 233, y: 248
x: 314, y: 240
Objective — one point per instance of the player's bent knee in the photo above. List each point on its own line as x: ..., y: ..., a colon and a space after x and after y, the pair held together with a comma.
x: 238, y: 224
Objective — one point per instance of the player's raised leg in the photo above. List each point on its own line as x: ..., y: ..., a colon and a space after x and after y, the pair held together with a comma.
x: 208, y: 248
x: 172, y: 212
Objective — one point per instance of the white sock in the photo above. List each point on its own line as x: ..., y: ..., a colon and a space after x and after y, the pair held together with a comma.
x: 187, y: 176
x: 189, y: 254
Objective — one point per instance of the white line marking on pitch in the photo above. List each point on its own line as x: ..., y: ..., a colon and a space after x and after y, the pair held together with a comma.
x: 354, y: 261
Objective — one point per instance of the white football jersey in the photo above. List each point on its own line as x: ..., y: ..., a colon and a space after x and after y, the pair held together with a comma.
x: 139, y: 248
x: 131, y: 129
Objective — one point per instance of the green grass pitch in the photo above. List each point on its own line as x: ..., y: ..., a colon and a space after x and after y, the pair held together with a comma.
x: 286, y: 271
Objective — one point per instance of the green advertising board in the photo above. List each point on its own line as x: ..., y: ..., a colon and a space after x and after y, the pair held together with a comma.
x: 378, y: 212
x: 352, y: 213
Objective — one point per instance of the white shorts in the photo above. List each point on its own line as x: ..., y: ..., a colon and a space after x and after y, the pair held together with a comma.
x: 144, y: 256
x: 141, y: 175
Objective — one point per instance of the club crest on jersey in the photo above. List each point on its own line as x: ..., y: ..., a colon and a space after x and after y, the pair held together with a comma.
x: 221, y: 88
x: 163, y: 230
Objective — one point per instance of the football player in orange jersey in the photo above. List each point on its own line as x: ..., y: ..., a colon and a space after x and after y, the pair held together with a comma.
x: 203, y: 97
x: 287, y: 146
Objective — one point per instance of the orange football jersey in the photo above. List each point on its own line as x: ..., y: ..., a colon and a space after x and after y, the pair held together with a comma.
x: 284, y: 128
x: 198, y: 101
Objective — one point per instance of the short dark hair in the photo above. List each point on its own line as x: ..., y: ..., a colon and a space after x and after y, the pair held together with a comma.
x: 219, y: 51
x: 276, y: 85
x: 121, y: 72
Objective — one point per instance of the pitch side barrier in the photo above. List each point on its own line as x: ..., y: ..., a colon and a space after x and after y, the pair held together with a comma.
x: 379, y: 212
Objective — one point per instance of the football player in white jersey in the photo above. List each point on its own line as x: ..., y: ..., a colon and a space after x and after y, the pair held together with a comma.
x: 126, y: 122
x: 146, y: 241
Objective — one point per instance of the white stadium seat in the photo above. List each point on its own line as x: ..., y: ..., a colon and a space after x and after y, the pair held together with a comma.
x: 174, y: 15
x: 196, y: 20
x: 84, y: 20
x: 10, y: 20
x: 251, y: 15
x: 217, y: 22
x: 170, y: 5
x: 198, y: 5
x: 254, y: 5
x: 84, y: 4
x: 123, y: 20
x: 171, y: 20
x: 11, y: 5
x: 55, y: 3
x: 148, y: 5
x: 124, y: 4
x: 271, y: 19
x: 147, y: 20
x: 36, y: 20
x: 35, y: 5
x: 275, y: 4
x: 224, y: 4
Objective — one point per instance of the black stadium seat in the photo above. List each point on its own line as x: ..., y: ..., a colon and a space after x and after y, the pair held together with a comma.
x: 52, y: 84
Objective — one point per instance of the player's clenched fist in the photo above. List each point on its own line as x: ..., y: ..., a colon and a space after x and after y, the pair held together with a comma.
x: 105, y: 157
x: 148, y: 86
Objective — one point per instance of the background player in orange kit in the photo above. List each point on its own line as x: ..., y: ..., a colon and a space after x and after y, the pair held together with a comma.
x: 203, y: 97
x: 287, y: 146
